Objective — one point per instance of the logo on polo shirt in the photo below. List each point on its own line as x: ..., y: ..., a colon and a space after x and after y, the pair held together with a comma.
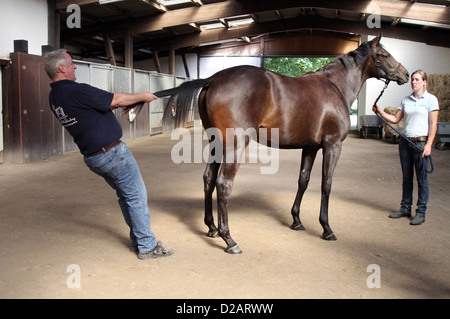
x: 62, y: 117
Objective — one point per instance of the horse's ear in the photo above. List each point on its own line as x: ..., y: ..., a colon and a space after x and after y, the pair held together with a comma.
x: 376, y: 40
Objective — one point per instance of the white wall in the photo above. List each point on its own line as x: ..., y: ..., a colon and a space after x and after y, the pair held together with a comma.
x: 413, y: 56
x: 212, y: 64
x: 23, y: 19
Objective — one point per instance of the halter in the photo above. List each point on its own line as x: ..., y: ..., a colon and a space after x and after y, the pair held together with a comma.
x: 379, y: 66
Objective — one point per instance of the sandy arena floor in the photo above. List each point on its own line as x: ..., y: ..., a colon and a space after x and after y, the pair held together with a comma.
x: 60, y: 220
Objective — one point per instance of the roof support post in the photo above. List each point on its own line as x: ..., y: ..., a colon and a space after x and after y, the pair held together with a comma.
x: 156, y: 60
x: 128, y: 48
x: 109, y: 49
x: 186, y: 68
x: 171, y: 60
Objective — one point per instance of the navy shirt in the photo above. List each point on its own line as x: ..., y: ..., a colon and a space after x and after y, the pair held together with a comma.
x: 85, y: 112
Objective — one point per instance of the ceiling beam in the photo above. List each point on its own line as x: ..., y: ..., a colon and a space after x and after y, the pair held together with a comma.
x: 431, y: 37
x: 406, y: 9
x: 165, y: 20
x: 224, y: 9
x: 63, y: 4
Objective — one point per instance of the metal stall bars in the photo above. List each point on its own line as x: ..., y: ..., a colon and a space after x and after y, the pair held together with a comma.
x: 125, y: 80
x: 159, y: 82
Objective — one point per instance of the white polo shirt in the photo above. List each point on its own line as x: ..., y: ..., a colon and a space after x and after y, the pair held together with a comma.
x: 416, y: 113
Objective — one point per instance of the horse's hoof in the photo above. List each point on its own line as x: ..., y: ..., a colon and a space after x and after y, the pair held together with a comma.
x: 213, y: 234
x: 329, y: 237
x: 235, y: 250
x: 297, y: 227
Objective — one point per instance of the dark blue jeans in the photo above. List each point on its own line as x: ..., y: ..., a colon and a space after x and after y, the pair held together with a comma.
x: 120, y: 170
x: 411, y: 161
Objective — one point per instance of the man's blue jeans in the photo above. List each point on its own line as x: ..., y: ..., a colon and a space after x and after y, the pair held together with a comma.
x: 120, y: 170
x: 411, y: 160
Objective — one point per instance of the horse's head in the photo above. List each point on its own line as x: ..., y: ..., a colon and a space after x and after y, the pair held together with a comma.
x: 385, y: 66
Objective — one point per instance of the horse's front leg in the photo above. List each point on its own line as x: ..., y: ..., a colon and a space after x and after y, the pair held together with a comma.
x: 209, y: 181
x: 308, y: 157
x: 330, y: 158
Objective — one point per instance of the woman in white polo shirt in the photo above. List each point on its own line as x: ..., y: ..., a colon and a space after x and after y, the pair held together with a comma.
x: 420, y: 110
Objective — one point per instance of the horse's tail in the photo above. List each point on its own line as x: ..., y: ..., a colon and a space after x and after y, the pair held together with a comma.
x: 179, y: 104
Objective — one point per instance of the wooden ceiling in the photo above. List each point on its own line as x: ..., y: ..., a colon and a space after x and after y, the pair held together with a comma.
x: 146, y: 26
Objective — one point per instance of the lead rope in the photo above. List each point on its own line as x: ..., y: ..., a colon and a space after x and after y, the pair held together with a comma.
x: 426, y: 160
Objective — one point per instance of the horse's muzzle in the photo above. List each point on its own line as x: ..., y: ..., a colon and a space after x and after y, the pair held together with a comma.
x: 402, y: 75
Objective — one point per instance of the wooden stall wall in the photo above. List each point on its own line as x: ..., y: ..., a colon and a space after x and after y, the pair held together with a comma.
x: 32, y: 132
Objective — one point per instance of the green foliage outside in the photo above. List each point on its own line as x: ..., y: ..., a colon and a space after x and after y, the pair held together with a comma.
x: 295, y: 66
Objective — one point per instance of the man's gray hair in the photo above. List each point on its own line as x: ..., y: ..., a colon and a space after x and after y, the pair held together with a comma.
x: 53, y: 60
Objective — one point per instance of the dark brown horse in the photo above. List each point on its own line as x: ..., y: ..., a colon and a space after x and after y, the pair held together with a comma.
x: 310, y: 112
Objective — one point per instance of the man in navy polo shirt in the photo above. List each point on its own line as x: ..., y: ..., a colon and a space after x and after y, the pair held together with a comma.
x: 86, y: 113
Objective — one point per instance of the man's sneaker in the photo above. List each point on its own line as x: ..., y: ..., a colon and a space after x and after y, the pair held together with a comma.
x: 134, y: 249
x: 158, y: 251
x: 399, y: 214
x: 419, y: 219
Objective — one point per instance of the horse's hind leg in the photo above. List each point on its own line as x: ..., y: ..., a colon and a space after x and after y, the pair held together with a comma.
x: 224, y: 185
x: 308, y: 157
x: 210, y: 177
x: 209, y: 181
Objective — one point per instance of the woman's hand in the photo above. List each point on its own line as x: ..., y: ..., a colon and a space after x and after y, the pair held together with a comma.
x: 426, y: 151
x: 376, y: 109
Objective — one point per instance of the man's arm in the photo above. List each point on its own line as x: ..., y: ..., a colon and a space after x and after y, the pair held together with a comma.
x: 125, y: 99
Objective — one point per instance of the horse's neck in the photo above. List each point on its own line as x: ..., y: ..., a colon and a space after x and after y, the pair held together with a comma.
x: 348, y: 78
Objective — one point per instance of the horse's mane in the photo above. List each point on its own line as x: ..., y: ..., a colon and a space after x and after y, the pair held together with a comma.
x: 351, y: 58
